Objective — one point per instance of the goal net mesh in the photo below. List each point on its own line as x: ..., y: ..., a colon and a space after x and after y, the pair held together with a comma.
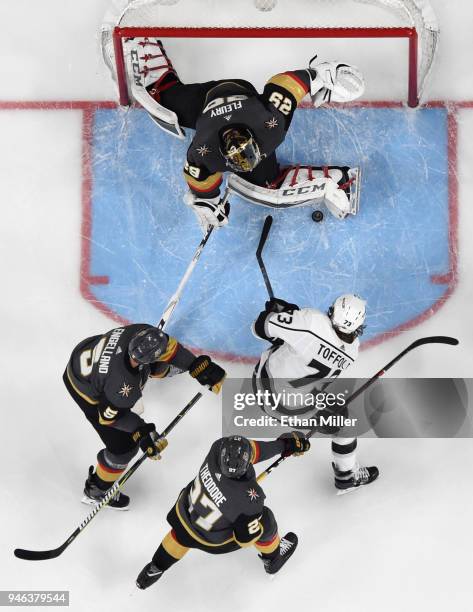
x: 382, y: 15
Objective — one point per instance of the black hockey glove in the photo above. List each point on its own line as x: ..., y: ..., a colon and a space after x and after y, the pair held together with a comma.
x: 277, y: 305
x: 149, y: 440
x: 295, y: 443
x: 207, y: 373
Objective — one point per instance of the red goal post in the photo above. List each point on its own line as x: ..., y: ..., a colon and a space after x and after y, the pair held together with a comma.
x: 162, y: 18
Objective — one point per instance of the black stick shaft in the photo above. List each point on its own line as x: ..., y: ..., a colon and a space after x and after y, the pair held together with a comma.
x: 368, y: 383
x: 259, y: 254
x: 41, y: 555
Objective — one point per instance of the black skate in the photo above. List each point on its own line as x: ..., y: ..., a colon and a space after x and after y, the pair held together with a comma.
x: 287, y: 546
x: 148, y: 576
x: 352, y: 479
x: 93, y: 494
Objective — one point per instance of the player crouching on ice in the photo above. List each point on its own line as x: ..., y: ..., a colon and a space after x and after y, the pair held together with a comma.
x: 106, y: 375
x: 299, y: 356
x: 238, y: 130
x: 223, y: 509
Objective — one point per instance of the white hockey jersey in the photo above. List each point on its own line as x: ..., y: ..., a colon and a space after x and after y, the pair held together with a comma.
x: 310, y: 351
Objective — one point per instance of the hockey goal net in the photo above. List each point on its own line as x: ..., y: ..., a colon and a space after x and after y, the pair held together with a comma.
x: 284, y: 23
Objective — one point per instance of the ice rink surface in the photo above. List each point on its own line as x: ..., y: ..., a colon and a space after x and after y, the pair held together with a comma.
x: 404, y: 543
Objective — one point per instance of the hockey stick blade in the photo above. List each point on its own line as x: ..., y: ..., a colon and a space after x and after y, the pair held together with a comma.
x: 38, y: 555
x: 264, y: 235
x: 435, y: 340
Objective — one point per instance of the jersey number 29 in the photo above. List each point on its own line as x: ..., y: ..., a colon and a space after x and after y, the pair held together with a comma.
x: 282, y: 103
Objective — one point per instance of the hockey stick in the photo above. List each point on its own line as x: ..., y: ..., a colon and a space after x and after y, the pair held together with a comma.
x: 173, y: 302
x: 264, y: 235
x: 368, y: 383
x: 41, y: 555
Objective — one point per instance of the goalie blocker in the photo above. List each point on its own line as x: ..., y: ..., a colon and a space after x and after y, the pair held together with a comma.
x: 338, y: 187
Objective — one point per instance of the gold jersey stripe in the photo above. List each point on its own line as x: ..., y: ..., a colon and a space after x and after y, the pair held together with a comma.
x: 85, y: 397
x: 194, y: 535
x: 209, y: 184
x: 173, y: 548
x: 291, y: 83
x: 104, y: 422
x: 268, y: 548
x: 254, y: 451
x: 170, y: 350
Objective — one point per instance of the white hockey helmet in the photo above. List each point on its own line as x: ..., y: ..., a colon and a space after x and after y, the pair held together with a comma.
x: 348, y: 314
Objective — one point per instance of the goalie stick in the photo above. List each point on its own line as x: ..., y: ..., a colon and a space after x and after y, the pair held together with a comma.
x: 259, y: 254
x: 368, y: 383
x: 41, y: 555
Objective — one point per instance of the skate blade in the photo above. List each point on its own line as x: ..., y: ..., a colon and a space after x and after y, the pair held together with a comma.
x: 345, y: 491
x: 92, y: 502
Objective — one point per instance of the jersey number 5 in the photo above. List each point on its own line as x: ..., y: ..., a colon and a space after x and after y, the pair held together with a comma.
x: 88, y: 358
x: 282, y: 103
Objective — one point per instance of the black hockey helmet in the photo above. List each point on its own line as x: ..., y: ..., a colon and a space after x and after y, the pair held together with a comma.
x: 240, y: 149
x: 147, y: 345
x: 235, y: 456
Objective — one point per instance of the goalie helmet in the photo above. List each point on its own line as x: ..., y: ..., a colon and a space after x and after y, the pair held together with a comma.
x: 235, y: 456
x: 348, y: 314
x: 147, y: 345
x: 240, y: 149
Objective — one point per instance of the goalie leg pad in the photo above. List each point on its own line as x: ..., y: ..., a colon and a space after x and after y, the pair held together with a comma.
x: 149, y: 72
x: 335, y: 186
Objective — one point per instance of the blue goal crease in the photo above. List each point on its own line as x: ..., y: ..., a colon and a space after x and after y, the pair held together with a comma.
x: 143, y: 236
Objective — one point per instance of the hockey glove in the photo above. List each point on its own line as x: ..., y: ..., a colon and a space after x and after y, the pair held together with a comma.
x: 335, y: 82
x: 209, y: 212
x: 207, y: 373
x: 277, y: 305
x: 149, y: 440
x: 295, y: 443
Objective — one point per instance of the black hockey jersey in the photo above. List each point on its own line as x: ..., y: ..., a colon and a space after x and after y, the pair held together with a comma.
x: 228, y: 104
x: 100, y: 371
x: 217, y: 510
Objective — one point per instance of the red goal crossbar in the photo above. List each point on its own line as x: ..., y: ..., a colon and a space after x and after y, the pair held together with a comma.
x: 269, y: 32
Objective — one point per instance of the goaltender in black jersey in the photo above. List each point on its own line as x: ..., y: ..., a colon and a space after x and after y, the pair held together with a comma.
x: 223, y: 509
x: 106, y: 375
x: 236, y: 128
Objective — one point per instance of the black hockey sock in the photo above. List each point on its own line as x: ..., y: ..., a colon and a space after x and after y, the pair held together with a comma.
x: 169, y: 552
x: 163, y: 560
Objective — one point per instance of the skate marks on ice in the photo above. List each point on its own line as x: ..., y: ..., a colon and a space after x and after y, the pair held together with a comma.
x: 396, y: 253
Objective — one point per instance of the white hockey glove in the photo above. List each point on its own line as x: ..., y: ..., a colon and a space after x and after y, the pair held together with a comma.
x: 335, y: 82
x: 209, y: 212
x: 336, y: 200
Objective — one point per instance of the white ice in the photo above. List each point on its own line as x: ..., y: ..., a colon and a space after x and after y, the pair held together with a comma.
x: 403, y: 544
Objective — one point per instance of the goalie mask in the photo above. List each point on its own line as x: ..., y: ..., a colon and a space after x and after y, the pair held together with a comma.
x: 348, y: 314
x: 147, y: 345
x: 240, y: 149
x: 235, y: 456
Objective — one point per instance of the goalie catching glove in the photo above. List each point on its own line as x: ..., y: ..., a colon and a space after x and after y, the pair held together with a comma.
x: 207, y: 373
x: 150, y: 441
x: 295, y: 443
x: 209, y: 212
x: 335, y: 82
